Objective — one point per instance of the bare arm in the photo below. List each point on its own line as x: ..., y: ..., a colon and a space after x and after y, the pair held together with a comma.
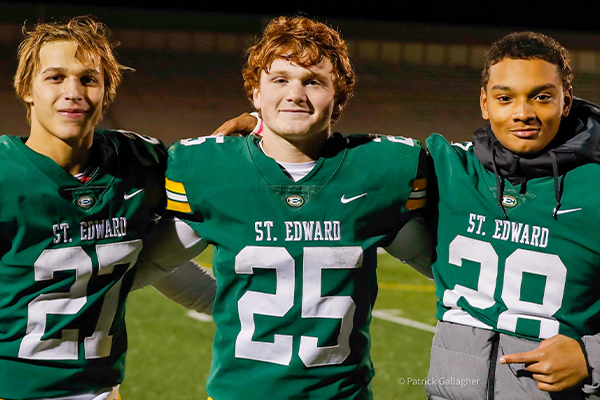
x: 243, y: 124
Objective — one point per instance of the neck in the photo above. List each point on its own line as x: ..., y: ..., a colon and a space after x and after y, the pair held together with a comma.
x: 72, y: 156
x: 293, y: 151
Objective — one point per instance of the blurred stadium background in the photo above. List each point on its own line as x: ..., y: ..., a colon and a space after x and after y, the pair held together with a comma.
x: 415, y: 76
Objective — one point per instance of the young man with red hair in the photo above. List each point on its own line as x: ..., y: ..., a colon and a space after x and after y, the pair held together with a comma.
x: 297, y: 225
x: 515, y: 278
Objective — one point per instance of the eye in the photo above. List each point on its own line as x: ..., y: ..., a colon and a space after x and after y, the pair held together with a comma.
x: 54, y: 78
x: 503, y: 98
x: 543, y: 97
x: 314, y: 82
x: 88, y: 80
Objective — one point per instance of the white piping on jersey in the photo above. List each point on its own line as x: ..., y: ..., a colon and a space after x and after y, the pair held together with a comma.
x: 417, y: 194
x: 177, y: 197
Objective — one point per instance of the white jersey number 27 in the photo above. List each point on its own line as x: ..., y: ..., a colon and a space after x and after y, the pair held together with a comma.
x: 66, y: 347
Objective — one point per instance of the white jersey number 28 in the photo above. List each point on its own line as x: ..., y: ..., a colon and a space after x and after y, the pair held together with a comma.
x: 519, y: 262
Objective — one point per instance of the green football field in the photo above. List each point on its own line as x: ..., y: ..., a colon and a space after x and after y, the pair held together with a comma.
x: 169, y: 350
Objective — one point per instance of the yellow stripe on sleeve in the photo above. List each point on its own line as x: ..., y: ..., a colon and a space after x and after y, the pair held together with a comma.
x: 415, y: 204
x: 173, y: 186
x: 420, y: 184
x: 176, y: 198
x: 180, y: 207
x: 418, y: 195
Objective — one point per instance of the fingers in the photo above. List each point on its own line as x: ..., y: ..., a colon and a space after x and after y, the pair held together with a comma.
x: 520, y: 358
x: 243, y: 124
x: 226, y: 129
x: 558, y: 363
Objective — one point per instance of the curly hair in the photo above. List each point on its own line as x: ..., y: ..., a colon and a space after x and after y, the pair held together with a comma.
x: 528, y: 46
x: 304, y: 42
x: 93, y: 47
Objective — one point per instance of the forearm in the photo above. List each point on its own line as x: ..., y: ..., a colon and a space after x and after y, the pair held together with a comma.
x: 413, y: 246
x: 170, y: 244
x: 191, y: 286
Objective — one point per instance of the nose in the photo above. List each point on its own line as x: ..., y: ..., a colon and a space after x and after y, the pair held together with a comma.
x: 296, y: 92
x: 523, y: 111
x: 73, y: 89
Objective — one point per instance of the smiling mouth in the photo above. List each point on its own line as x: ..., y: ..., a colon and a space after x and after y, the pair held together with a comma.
x: 296, y: 111
x: 72, y: 112
x: 525, y: 133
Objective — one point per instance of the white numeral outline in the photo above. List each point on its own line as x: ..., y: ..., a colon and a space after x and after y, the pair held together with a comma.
x: 202, y: 139
x: 74, y: 258
x: 314, y: 304
x: 396, y: 139
x: 519, y: 262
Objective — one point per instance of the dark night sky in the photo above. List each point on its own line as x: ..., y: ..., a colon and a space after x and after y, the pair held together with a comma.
x: 489, y: 13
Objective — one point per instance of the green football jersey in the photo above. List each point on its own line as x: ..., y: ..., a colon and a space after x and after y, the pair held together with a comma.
x: 66, y: 254
x: 528, y: 275
x: 294, y: 261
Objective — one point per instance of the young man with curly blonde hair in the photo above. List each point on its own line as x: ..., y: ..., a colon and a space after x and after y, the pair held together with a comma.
x: 75, y: 205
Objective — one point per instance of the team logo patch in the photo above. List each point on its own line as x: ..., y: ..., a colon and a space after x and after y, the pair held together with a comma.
x: 509, y: 201
x: 295, y: 200
x: 85, y: 202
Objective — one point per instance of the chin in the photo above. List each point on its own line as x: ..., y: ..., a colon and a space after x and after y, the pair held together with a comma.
x: 291, y: 133
x: 74, y: 135
x: 526, y: 150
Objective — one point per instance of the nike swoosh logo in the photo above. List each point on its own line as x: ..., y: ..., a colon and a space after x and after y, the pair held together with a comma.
x: 568, y: 211
x: 344, y: 200
x: 128, y: 196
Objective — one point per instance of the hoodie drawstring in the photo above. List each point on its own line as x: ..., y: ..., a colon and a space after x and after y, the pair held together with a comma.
x: 499, y: 182
x: 558, y: 187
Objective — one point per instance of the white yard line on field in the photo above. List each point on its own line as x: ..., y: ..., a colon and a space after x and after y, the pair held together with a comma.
x: 199, y: 316
x: 388, y: 315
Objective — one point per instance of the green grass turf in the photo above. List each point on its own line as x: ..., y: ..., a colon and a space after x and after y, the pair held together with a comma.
x: 169, y: 352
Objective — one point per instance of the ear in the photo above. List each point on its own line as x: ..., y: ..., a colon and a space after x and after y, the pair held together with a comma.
x: 256, y: 98
x: 337, y: 109
x: 483, y: 104
x: 28, y: 98
x: 568, y: 99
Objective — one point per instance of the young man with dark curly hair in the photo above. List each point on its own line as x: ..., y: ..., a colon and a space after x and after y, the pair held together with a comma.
x: 516, y: 272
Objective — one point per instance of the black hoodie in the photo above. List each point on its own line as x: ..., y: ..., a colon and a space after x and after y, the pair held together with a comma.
x: 577, y: 143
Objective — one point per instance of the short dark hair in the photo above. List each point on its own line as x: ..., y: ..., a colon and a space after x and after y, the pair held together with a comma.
x: 528, y: 46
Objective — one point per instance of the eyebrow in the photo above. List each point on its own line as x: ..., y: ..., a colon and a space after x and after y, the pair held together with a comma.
x: 89, y: 71
x: 536, y: 89
x: 283, y: 72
